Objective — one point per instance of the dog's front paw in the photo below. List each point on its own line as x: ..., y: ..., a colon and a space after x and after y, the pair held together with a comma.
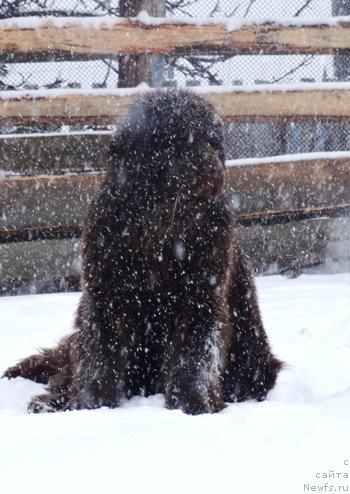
x: 45, y: 403
x: 14, y: 371
x: 194, y: 397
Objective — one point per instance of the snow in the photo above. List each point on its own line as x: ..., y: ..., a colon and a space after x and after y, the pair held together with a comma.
x: 141, y: 88
x: 262, y: 88
x: 290, y: 158
x: 63, y: 132
x: 57, y: 93
x: 296, y: 440
x: 233, y: 23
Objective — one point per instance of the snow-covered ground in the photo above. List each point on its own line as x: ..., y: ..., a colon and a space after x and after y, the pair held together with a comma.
x: 297, y: 441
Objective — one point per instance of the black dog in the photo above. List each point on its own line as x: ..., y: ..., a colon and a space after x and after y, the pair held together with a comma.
x: 168, y: 304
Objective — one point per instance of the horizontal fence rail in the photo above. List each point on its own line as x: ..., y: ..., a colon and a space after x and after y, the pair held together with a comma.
x: 53, y: 153
x: 331, y: 101
x: 92, y: 38
x: 291, y: 215
x: 273, y: 192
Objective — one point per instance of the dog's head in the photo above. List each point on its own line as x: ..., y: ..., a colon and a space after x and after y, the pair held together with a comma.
x: 170, y: 144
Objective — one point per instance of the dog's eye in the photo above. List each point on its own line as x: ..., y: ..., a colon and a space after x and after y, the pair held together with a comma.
x: 215, y: 143
x: 184, y: 141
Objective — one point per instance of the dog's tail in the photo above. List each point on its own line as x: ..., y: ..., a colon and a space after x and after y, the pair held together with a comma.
x: 43, y: 365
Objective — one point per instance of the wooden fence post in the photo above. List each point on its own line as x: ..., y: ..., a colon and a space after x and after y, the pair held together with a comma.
x: 134, y: 69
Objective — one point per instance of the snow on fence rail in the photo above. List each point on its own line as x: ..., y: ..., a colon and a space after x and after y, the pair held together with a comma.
x: 283, y: 102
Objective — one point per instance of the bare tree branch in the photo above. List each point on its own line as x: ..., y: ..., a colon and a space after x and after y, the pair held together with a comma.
x: 234, y: 10
x: 104, y: 6
x: 306, y: 61
x: 200, y: 66
x: 215, y: 9
x: 251, y: 3
x: 27, y: 8
x: 180, y: 5
x: 303, y: 7
x: 110, y: 68
x: 57, y: 83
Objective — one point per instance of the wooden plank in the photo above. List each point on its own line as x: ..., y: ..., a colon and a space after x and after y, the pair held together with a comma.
x: 261, y: 218
x: 277, y: 105
x: 110, y: 106
x: 18, y: 108
x: 285, y: 190
x: 39, y: 260
x: 54, y: 265
x: 284, y: 185
x: 282, y: 216
x: 46, y: 232
x: 298, y: 245
x: 55, y: 153
x: 45, y: 200
x: 32, y: 154
x: 95, y: 38
x: 41, y: 266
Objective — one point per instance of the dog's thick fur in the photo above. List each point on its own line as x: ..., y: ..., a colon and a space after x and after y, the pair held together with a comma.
x: 168, y: 304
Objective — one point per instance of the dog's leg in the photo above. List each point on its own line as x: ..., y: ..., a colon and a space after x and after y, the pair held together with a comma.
x: 199, y: 338
x: 100, y: 357
x: 251, y: 367
x: 42, y: 366
x: 195, y: 360
x: 52, y: 367
x: 39, y: 367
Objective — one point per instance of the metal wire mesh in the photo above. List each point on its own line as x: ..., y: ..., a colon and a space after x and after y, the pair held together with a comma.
x: 243, y: 140
x: 247, y: 140
x: 190, y: 71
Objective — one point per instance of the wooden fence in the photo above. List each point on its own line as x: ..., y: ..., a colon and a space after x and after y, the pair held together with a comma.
x: 92, y: 38
x: 292, y: 213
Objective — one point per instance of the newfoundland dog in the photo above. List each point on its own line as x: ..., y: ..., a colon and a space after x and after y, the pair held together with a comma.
x: 168, y: 300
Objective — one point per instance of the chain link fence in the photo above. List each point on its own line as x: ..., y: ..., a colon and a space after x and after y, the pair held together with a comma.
x: 243, y: 140
x: 190, y: 71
